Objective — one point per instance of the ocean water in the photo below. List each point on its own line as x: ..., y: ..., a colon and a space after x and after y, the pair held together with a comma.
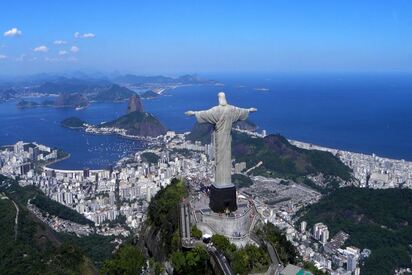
x: 42, y: 125
x: 369, y: 113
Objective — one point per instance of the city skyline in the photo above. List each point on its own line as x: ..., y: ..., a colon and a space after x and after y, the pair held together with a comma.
x: 200, y: 37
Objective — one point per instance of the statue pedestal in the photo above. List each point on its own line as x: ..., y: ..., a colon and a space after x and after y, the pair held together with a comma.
x: 236, y: 226
x: 223, y: 199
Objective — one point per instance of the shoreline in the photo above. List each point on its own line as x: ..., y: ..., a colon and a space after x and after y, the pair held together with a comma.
x: 311, y: 146
x: 371, y: 171
x: 368, y: 170
x: 45, y: 166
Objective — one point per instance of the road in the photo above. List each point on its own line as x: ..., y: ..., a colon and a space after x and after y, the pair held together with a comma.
x: 189, y: 242
x: 221, y: 259
x: 16, y: 220
x: 185, y: 228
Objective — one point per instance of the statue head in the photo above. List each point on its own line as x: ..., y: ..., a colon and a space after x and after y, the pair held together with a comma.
x: 222, y: 99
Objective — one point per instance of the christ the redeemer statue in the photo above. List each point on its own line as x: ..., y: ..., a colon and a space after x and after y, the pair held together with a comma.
x: 222, y: 117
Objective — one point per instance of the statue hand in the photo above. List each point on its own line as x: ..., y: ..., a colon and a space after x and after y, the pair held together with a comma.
x: 190, y: 113
x: 252, y: 109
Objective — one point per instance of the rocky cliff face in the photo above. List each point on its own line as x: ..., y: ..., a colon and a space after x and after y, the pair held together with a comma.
x: 152, y: 243
x: 135, y: 104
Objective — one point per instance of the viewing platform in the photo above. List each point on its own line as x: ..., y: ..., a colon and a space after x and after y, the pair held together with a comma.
x: 236, y: 225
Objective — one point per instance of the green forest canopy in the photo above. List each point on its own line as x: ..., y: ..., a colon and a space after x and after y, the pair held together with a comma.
x: 380, y: 220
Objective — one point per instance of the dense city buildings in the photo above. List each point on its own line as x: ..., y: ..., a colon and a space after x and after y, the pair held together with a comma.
x: 371, y: 171
x: 116, y: 199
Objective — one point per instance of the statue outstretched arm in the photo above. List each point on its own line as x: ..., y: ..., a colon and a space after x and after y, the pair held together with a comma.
x: 207, y: 116
x: 241, y: 113
x: 190, y: 113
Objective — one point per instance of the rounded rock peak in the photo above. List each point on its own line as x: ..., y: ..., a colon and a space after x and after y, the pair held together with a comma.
x: 135, y: 104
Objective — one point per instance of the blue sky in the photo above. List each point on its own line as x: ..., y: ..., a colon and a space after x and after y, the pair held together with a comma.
x: 173, y: 37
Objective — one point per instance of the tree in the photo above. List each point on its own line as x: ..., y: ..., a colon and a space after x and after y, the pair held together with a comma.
x: 223, y: 244
x: 150, y: 157
x: 178, y: 261
x: 190, y: 262
x: 163, y: 214
x: 250, y: 259
x: 285, y: 249
x: 128, y: 260
x: 196, y: 233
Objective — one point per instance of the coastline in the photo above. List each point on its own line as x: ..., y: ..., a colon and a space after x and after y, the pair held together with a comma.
x: 311, y: 146
x: 371, y: 171
x: 56, y: 161
x: 354, y: 160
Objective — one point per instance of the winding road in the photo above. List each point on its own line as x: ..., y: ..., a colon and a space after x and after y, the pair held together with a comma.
x: 16, y: 220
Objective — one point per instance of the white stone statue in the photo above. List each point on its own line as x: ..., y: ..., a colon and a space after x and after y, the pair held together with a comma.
x: 222, y: 117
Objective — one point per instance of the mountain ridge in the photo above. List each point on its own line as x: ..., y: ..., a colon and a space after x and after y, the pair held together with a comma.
x: 31, y: 246
x: 279, y: 158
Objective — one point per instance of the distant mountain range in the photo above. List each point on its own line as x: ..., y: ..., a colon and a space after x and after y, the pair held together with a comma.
x: 72, y: 85
x: 64, y: 100
x: 113, y: 93
x: 70, y: 99
x: 101, y: 88
x: 159, y: 79
x: 77, y: 82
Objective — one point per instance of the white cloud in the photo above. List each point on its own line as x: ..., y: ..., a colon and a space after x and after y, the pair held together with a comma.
x: 89, y: 35
x: 13, y: 32
x: 63, y: 52
x: 74, y: 49
x: 84, y: 35
x: 59, y: 42
x: 42, y: 49
x: 2, y: 56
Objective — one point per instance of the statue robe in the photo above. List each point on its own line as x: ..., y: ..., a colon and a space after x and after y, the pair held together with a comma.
x: 222, y: 117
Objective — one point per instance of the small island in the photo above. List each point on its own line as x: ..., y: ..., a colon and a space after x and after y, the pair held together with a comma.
x: 73, y: 123
x: 136, y: 123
